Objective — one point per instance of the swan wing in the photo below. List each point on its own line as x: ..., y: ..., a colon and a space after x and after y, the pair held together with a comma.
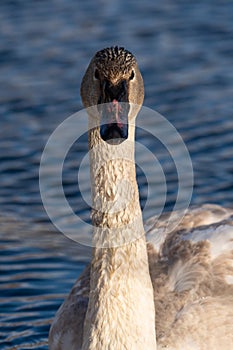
x: 201, y: 242
x: 196, y: 223
x: 191, y: 268
x: 66, y: 331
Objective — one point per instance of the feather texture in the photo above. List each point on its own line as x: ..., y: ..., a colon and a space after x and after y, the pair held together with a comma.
x: 172, y: 290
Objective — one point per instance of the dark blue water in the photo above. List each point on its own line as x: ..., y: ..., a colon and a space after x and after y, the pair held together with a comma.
x: 185, y: 53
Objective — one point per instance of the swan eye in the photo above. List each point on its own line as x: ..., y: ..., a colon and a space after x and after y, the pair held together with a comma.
x: 97, y: 75
x: 132, y: 75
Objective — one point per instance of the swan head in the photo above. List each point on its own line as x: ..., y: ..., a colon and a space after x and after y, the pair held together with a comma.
x: 113, y: 87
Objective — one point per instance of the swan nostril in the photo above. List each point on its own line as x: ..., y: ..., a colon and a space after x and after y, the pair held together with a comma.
x: 111, y: 92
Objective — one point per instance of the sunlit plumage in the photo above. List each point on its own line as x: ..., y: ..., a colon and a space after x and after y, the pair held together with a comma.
x: 175, y: 287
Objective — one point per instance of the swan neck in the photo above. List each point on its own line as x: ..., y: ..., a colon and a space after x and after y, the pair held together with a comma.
x: 116, y: 212
x: 121, y: 312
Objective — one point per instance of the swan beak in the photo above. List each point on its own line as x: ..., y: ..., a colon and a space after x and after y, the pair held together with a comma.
x: 114, y: 113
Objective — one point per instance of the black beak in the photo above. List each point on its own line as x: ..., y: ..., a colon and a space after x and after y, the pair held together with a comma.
x: 114, y: 109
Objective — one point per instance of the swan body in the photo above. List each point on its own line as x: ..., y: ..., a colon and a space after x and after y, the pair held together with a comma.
x: 145, y: 288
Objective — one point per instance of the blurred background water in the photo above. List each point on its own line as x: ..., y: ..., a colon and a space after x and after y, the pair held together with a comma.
x: 185, y: 51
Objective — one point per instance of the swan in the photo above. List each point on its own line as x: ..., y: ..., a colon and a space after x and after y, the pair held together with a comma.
x: 145, y: 288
